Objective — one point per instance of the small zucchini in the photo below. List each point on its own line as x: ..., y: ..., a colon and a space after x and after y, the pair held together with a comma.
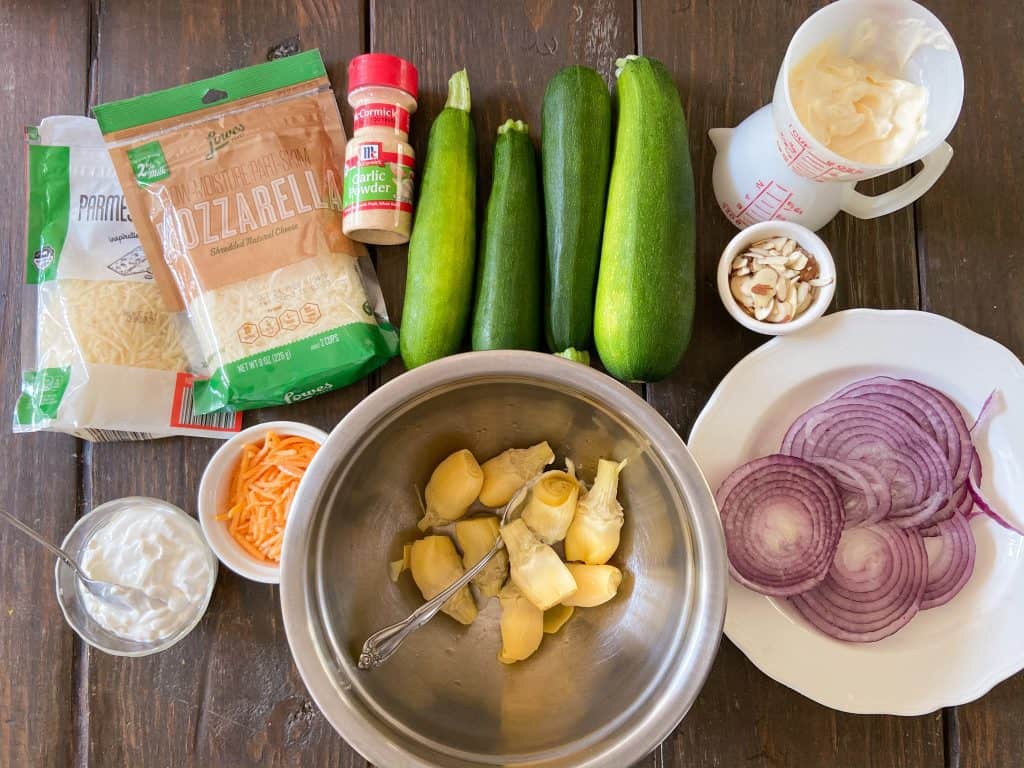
x: 508, y: 298
x: 576, y: 147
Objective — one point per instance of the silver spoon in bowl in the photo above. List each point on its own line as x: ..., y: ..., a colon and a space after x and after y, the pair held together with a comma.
x: 114, y: 594
x: 382, y: 644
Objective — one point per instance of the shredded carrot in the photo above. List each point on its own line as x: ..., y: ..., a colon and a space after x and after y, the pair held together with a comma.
x: 262, y: 488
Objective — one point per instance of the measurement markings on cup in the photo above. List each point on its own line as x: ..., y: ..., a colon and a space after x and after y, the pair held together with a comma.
x: 771, y: 200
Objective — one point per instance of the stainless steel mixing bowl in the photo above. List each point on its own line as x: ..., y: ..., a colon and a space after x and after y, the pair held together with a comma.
x: 605, y: 690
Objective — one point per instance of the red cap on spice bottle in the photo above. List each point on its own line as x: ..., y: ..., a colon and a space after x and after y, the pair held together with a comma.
x: 383, y: 69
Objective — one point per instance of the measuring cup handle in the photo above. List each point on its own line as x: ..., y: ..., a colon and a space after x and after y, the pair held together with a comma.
x: 870, y: 207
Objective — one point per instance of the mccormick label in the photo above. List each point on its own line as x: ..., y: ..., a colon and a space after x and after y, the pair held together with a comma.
x: 376, y: 180
x: 381, y: 115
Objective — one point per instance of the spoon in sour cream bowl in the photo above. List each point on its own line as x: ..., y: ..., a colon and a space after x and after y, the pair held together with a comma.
x: 117, y: 595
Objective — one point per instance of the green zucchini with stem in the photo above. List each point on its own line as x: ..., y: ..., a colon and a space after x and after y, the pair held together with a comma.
x: 507, y: 314
x: 442, y: 248
x: 643, y: 315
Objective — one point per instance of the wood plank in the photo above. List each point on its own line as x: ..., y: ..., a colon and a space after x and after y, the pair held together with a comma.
x: 725, y: 58
x: 45, y: 60
x: 229, y: 693
x: 970, y: 232
x: 510, y: 51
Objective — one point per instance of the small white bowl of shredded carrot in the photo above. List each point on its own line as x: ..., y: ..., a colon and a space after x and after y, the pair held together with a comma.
x: 246, y: 493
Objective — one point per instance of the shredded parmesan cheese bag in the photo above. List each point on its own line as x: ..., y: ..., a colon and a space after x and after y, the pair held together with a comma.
x: 235, y: 188
x: 103, y: 358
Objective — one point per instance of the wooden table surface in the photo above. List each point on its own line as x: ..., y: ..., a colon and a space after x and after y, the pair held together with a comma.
x: 229, y: 695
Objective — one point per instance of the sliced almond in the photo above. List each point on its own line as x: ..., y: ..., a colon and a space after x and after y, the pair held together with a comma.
x: 820, y: 282
x: 806, y: 297
x: 741, y: 271
x: 739, y: 262
x: 788, y: 247
x: 810, y: 270
x: 767, y: 277
x: 781, y: 290
x: 763, y: 299
x: 797, y: 261
x: 736, y: 288
x: 778, y: 313
x: 762, y: 313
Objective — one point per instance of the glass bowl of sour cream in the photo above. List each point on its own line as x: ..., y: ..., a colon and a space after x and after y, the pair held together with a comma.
x: 144, y: 543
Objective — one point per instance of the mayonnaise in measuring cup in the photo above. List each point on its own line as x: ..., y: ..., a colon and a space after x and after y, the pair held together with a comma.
x: 158, y: 552
x: 857, y: 105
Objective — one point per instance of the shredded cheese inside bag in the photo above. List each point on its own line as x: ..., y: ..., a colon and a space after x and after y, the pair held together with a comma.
x: 111, y: 322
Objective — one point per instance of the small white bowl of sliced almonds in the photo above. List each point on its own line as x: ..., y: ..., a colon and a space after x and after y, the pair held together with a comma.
x: 776, y: 277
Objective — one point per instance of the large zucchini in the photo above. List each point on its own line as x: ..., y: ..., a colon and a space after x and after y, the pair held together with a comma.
x: 645, y: 289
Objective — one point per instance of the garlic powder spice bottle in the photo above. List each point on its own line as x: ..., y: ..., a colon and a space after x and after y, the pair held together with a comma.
x: 379, y: 162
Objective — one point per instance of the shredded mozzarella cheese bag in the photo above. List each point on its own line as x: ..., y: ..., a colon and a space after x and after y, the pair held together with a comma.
x: 234, y: 185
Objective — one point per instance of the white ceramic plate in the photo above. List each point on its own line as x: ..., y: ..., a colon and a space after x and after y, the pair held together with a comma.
x: 945, y: 656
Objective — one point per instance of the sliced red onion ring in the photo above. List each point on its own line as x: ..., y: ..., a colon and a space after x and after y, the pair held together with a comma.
x: 886, y: 437
x: 951, y: 566
x: 865, y: 492
x: 783, y: 517
x: 987, y: 409
x: 981, y: 504
x: 930, y: 408
x: 874, y: 587
x: 891, y: 461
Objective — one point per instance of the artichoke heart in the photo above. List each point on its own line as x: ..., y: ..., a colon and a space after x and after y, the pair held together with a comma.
x: 536, y: 568
x: 556, y: 617
x: 398, y: 567
x: 452, y: 489
x: 552, y: 504
x: 522, y: 625
x: 597, y: 584
x: 435, y: 564
x: 475, y: 538
x: 593, y: 535
x: 507, y: 472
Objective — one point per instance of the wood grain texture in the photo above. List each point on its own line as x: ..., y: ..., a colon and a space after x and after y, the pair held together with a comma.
x: 44, y: 60
x: 228, y: 694
x: 725, y: 58
x: 510, y: 50
x: 970, y: 235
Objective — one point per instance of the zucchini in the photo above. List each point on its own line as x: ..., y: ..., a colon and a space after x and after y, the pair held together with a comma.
x: 508, y: 312
x: 643, y: 313
x: 442, y: 248
x: 576, y: 146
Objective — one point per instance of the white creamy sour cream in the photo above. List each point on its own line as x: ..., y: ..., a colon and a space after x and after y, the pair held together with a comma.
x: 856, y: 103
x: 153, y: 550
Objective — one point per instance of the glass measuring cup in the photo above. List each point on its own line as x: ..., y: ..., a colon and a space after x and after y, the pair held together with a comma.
x: 771, y: 167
